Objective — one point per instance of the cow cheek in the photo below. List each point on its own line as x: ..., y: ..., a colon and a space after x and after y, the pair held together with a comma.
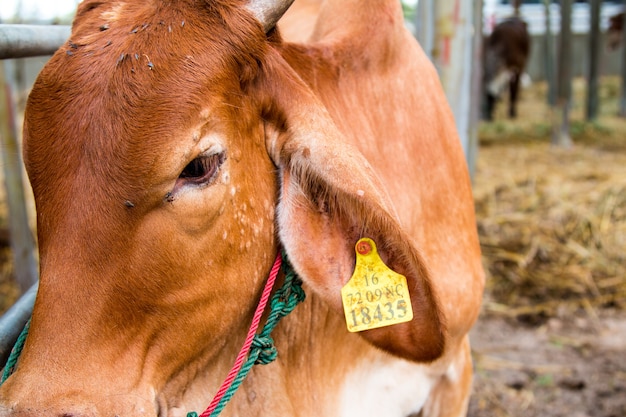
x: 194, y: 211
x: 175, y: 238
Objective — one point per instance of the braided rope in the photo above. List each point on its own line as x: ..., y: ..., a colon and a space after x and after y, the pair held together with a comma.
x: 256, y: 319
x: 262, y: 350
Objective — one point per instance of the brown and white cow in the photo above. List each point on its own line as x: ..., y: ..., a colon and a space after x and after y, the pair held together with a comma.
x: 173, y: 145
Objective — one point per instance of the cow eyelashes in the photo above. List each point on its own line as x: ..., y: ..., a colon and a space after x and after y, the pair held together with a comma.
x: 203, y: 169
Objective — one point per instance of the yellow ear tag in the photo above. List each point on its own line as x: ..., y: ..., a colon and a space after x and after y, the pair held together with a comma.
x: 375, y: 296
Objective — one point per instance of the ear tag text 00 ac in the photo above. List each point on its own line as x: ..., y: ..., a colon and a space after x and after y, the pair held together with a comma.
x: 375, y: 296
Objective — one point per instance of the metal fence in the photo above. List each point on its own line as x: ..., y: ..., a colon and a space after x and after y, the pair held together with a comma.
x: 20, y: 41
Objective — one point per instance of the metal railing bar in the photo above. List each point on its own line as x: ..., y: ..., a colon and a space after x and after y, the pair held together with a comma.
x: 21, y: 41
x: 14, y: 320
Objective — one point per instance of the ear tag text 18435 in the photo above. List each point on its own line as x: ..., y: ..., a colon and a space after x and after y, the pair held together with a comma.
x: 375, y: 296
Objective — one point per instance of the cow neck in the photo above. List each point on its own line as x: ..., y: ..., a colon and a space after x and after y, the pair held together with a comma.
x: 259, y: 348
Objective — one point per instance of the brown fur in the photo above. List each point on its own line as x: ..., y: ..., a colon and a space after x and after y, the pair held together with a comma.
x: 143, y: 306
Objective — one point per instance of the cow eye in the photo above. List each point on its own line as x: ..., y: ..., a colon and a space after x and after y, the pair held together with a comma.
x: 202, y: 169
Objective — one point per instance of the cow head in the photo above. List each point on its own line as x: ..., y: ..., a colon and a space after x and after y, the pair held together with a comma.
x: 158, y: 142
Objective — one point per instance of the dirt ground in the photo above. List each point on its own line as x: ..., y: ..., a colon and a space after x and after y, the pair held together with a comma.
x: 570, y: 366
x: 551, y: 340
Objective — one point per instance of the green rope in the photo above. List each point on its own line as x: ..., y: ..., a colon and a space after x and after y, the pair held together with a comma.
x: 263, y: 350
x: 15, y: 353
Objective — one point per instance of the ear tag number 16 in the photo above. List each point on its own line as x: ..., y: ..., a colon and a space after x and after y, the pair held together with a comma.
x: 375, y: 296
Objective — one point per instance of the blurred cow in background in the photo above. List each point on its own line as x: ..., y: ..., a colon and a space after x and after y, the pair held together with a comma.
x: 506, y: 52
x: 614, y: 32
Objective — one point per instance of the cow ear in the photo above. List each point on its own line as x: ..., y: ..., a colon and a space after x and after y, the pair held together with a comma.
x: 330, y: 197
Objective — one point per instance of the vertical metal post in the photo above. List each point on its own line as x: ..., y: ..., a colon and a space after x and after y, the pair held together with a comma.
x: 594, y: 61
x: 622, y: 107
x: 425, y: 26
x: 22, y: 241
x: 548, y: 42
x: 476, y: 87
x: 454, y: 38
x: 560, y: 131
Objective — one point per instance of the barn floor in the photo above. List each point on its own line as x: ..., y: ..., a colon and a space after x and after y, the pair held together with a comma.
x: 570, y: 366
x: 552, y: 337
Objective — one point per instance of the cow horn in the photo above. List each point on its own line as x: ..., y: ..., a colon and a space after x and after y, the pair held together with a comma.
x: 268, y: 12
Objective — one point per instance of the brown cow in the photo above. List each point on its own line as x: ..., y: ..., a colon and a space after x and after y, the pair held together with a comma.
x: 172, y: 146
x: 614, y: 32
x: 506, y: 52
